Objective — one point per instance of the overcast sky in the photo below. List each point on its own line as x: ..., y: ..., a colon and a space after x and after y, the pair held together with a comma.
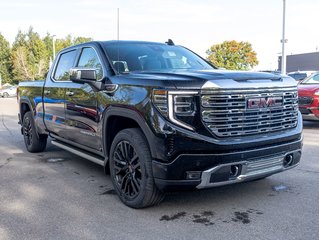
x: 196, y: 24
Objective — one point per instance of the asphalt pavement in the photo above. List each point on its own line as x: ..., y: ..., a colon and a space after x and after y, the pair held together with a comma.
x: 58, y: 195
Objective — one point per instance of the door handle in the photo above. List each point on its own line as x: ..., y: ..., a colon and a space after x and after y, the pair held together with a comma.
x: 69, y: 93
x: 46, y: 92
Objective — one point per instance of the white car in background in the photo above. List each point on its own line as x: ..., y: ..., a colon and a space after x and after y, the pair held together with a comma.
x: 8, y: 92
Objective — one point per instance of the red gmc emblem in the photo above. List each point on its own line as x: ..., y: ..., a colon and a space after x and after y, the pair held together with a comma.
x: 264, y: 102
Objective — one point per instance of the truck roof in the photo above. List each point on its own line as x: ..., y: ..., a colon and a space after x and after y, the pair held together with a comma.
x: 112, y: 43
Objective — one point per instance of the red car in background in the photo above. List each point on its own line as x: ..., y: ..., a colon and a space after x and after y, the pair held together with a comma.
x: 308, y: 91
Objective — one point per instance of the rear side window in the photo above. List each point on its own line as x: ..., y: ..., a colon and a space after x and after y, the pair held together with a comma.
x: 89, y: 59
x: 66, y: 61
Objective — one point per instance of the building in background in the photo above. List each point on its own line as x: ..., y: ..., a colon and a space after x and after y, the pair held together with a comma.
x: 301, y: 62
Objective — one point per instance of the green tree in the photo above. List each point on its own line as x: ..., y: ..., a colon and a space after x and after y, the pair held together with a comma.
x: 38, y: 55
x: 79, y: 40
x: 20, y: 40
x: 232, y: 55
x: 5, y: 61
x: 29, y: 56
x: 63, y: 43
x: 21, y: 67
x: 69, y: 41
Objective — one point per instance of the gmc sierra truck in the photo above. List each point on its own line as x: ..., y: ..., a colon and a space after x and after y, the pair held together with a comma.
x: 160, y: 118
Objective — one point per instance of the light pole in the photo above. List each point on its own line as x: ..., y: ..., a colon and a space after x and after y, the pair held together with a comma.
x: 283, y: 40
x: 53, y: 46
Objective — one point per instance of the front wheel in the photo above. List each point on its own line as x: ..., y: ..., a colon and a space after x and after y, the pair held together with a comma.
x: 131, y: 170
x: 33, y: 142
x: 5, y: 95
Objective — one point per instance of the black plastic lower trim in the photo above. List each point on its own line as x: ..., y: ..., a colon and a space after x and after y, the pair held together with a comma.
x: 177, y: 169
x: 176, y: 185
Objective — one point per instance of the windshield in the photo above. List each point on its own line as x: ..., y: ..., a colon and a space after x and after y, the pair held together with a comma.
x: 313, y: 79
x: 129, y: 57
x: 298, y: 76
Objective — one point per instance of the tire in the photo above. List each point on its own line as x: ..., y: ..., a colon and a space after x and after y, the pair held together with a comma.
x: 131, y: 170
x: 5, y: 95
x: 33, y: 142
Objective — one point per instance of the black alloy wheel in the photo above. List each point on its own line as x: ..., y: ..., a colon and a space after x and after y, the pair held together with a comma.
x: 27, y: 131
x: 127, y: 167
x: 131, y: 170
x: 33, y: 141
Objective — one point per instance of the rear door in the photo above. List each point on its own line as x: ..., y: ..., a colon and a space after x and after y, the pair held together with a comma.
x: 54, y: 93
x: 81, y: 105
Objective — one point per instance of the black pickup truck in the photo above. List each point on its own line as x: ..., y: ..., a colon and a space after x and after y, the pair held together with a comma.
x: 160, y: 118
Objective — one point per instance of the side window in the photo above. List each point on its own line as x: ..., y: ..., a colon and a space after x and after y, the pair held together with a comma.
x: 314, y: 79
x: 65, y: 63
x: 90, y: 59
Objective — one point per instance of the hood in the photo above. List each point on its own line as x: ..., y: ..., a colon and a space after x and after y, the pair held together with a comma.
x: 195, y: 79
x: 307, y: 88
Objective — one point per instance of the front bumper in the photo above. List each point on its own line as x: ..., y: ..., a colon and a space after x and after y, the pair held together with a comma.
x: 223, y: 174
x: 216, y: 169
x: 310, y: 113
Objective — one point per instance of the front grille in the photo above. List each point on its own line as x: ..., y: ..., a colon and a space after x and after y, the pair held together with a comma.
x: 226, y: 113
x: 305, y: 100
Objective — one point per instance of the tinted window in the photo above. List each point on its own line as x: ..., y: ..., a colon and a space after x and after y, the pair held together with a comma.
x: 313, y: 79
x: 300, y: 76
x: 62, y: 72
x: 89, y: 59
x: 153, y: 57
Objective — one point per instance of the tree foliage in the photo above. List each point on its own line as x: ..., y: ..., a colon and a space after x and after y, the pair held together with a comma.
x: 30, y: 55
x: 233, y: 55
x: 5, y: 60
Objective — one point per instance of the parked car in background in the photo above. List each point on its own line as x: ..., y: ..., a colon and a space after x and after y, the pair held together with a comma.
x: 8, y: 92
x: 300, y: 75
x: 271, y: 71
x: 308, y: 91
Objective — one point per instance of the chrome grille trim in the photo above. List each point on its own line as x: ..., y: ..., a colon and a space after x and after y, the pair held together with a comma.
x: 225, y: 113
x: 251, y: 169
x: 258, y: 90
x: 265, y: 164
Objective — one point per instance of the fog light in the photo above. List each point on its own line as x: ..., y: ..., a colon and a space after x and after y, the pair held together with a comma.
x: 193, y: 175
x: 234, y: 171
x: 288, y: 161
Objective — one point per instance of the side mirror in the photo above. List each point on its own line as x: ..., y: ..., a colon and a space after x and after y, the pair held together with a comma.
x: 83, y: 75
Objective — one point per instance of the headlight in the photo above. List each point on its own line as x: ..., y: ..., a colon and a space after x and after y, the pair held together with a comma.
x: 178, y: 106
x: 160, y: 101
x: 184, y: 105
x: 316, y: 93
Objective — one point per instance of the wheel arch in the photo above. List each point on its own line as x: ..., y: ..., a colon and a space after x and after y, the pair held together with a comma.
x: 116, y: 119
x: 25, y: 106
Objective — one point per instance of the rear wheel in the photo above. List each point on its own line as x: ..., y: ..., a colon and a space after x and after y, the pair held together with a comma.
x: 33, y: 142
x: 5, y: 95
x: 131, y: 170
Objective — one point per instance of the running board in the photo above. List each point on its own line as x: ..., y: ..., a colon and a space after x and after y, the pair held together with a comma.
x: 79, y: 152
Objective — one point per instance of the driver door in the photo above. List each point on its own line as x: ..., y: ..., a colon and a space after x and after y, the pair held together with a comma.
x: 82, y: 117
